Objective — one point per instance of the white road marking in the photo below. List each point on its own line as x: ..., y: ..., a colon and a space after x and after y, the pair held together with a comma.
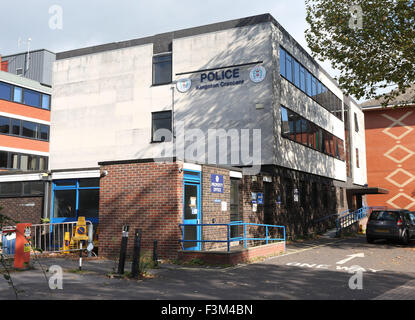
x: 352, y: 256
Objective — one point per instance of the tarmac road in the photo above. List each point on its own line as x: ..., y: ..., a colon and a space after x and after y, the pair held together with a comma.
x: 310, y: 270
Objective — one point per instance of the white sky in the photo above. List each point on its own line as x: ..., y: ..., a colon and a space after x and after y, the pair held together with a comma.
x: 93, y: 22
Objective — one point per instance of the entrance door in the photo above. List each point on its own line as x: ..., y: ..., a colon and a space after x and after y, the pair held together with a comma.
x: 191, y: 215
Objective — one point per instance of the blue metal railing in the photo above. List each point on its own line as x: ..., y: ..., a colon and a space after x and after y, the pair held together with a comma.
x: 229, y: 239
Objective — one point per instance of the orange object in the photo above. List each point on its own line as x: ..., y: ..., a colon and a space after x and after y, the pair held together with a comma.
x: 22, y: 247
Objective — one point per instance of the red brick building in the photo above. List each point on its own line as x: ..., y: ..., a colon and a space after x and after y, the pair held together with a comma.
x: 390, y: 145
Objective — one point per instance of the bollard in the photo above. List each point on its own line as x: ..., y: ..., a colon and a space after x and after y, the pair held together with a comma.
x: 123, y: 250
x: 136, y: 257
x: 155, y: 257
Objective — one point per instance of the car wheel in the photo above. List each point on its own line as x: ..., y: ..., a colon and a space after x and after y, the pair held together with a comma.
x: 405, y: 237
x: 370, y: 240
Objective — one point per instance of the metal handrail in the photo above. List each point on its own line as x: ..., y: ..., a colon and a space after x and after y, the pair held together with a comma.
x: 352, y: 217
x: 229, y: 239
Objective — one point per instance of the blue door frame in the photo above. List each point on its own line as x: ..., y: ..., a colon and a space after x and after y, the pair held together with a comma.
x: 74, y: 186
x: 192, y: 178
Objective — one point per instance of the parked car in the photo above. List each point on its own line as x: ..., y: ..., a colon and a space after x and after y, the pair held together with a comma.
x: 391, y: 224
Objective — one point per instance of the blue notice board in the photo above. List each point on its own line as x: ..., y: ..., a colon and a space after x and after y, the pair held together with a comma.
x: 260, y: 198
x: 216, y: 183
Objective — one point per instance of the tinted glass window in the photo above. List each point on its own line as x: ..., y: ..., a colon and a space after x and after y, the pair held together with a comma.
x: 296, y: 74
x: 161, y: 120
x: 284, y: 121
x: 5, y: 91
x: 43, y: 163
x: 45, y: 101
x: 64, y: 204
x: 302, y: 78
x: 15, y: 127
x: 44, y: 132
x: 162, y: 69
x: 4, y: 125
x: 282, y: 62
x: 3, y: 159
x: 289, y: 68
x: 33, y: 188
x: 88, y: 183
x: 18, y: 94
x: 31, y: 98
x: 29, y: 129
x: 384, y: 216
x: 88, y: 203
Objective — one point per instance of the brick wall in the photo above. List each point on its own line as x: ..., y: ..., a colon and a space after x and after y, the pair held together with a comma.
x: 28, y: 209
x: 146, y: 196
x: 212, y: 211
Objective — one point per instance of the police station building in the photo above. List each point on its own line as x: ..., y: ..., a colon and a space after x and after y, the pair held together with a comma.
x: 232, y: 121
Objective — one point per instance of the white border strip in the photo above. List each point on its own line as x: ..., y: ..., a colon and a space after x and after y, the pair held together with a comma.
x: 16, y: 116
x: 192, y: 166
x: 21, y: 177
x: 27, y: 151
x: 76, y: 174
x: 235, y: 174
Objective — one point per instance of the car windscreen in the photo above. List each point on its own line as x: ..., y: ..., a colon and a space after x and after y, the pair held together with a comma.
x: 384, y: 216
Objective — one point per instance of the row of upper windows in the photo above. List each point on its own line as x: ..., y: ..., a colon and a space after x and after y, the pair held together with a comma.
x: 25, y: 162
x: 25, y: 129
x: 297, y: 74
x: 25, y: 96
x: 305, y: 132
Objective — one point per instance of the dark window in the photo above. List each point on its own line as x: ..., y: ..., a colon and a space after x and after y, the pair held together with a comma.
x: 3, y: 159
x: 15, y: 127
x: 308, y: 83
x: 289, y: 68
x: 357, y: 158
x: 161, y: 126
x: 88, y: 203
x: 30, y: 129
x: 31, y: 98
x: 282, y: 62
x: 162, y: 69
x: 289, y: 193
x: 296, y: 74
x: 302, y: 78
x: 33, y: 188
x: 298, y: 128
x: 44, y: 132
x: 4, y: 125
x: 89, y: 183
x: 64, y: 204
x: 356, y: 123
x: 10, y: 188
x: 5, y: 91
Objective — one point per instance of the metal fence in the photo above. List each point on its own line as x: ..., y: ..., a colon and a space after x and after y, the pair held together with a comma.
x: 48, y: 237
x: 269, y: 232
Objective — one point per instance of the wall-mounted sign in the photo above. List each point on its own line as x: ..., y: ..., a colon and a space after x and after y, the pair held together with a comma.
x: 253, y: 196
x: 217, y: 201
x: 216, y: 184
x: 260, y: 198
x: 254, y: 207
x: 295, y: 195
x: 184, y: 85
x: 193, y: 201
x: 258, y: 74
x: 224, y: 206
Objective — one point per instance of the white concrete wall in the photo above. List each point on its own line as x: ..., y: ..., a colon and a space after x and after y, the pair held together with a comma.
x: 103, y: 102
x: 358, y: 141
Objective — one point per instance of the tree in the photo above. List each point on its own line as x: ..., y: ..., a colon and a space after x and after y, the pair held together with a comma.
x: 371, y: 43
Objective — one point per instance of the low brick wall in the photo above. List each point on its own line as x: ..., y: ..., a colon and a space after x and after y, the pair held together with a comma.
x: 235, y: 256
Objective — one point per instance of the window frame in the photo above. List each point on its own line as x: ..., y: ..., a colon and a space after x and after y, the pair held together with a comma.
x: 152, y: 126
x: 160, y: 55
